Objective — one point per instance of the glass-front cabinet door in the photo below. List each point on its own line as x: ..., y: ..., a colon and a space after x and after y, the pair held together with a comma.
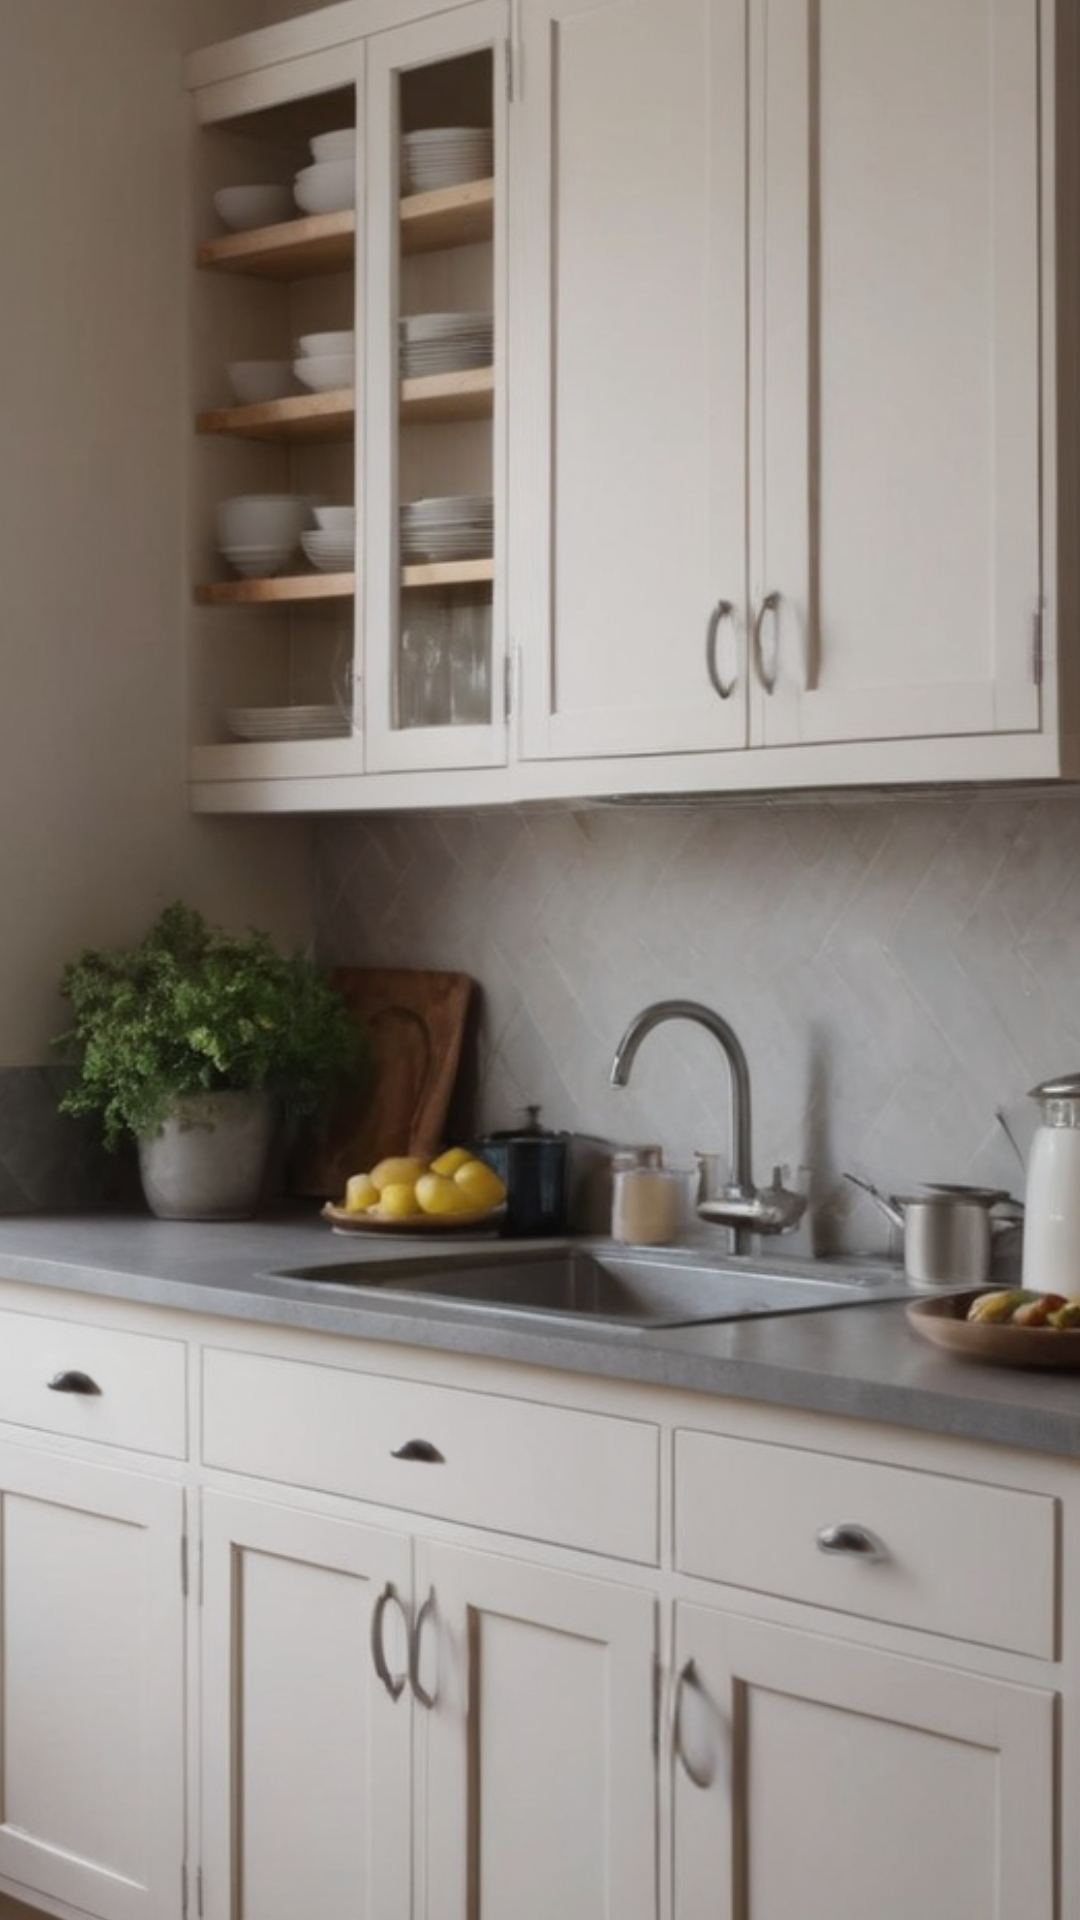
x: 276, y: 521
x: 434, y: 693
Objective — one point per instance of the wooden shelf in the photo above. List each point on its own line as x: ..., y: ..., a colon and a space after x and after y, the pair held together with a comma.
x: 449, y: 217
x: 301, y: 417
x: 447, y: 573
x: 293, y: 250
x: 281, y: 589
x: 437, y: 397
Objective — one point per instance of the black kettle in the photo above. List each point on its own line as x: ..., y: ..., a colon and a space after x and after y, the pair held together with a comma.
x: 534, y: 1166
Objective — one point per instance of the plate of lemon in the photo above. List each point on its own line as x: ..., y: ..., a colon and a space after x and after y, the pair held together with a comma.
x: 403, y: 1194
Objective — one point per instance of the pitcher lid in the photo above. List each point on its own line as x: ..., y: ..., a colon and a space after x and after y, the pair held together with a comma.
x: 1066, y: 1087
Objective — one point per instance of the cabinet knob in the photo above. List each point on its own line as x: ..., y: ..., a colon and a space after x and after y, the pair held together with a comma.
x: 70, y: 1381
x: 852, y: 1541
x: 418, y: 1450
x: 722, y: 611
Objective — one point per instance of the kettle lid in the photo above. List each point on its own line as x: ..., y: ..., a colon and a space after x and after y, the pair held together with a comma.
x: 1065, y: 1087
x: 530, y: 1129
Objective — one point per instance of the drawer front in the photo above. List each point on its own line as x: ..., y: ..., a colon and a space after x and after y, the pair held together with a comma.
x: 546, y: 1473
x: 961, y: 1558
x: 140, y: 1380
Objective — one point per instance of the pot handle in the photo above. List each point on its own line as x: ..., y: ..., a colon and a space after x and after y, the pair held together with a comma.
x: 888, y: 1206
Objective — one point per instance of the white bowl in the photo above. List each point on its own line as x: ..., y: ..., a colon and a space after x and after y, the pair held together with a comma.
x: 258, y: 562
x: 322, y: 343
x: 263, y: 519
x: 255, y: 380
x: 327, y: 187
x: 339, y: 145
x: 322, y: 372
x: 242, y: 208
x: 335, y: 519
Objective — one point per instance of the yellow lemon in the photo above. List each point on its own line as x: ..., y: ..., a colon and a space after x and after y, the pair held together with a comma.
x: 400, y: 1170
x: 451, y: 1160
x: 360, y: 1193
x: 481, y: 1183
x: 398, y: 1201
x: 437, y: 1193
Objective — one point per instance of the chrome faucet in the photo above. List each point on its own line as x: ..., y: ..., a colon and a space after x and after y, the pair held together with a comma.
x: 741, y: 1205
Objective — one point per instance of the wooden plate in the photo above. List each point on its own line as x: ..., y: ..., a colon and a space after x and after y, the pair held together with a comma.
x: 343, y: 1222
x: 943, y: 1321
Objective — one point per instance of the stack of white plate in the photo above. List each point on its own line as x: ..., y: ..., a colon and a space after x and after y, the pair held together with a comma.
x: 286, y: 723
x: 445, y: 157
x: 445, y: 342
x: 331, y: 552
x: 453, y: 527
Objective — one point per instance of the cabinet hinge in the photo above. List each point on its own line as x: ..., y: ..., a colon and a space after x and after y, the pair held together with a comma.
x: 1037, y: 646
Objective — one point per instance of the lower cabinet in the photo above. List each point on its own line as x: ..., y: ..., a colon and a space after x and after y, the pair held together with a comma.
x: 91, y: 1687
x: 820, y: 1778
x: 395, y: 1728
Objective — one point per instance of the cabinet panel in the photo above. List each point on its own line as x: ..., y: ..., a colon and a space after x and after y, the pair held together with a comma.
x: 91, y: 1687
x: 830, y: 1780
x: 306, y: 1757
x: 537, y: 1755
x: 975, y: 1562
x: 549, y: 1473
x: 895, y: 357
x: 141, y: 1383
x: 627, y: 292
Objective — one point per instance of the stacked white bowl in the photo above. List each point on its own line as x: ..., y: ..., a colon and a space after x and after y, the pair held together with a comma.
x: 445, y: 157
x: 243, y: 208
x: 258, y: 533
x: 331, y: 544
x: 329, y: 184
x: 326, y: 360
x: 255, y: 380
x: 445, y: 342
x: 451, y: 527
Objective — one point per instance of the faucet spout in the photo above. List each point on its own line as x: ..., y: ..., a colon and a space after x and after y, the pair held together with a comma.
x: 714, y: 1023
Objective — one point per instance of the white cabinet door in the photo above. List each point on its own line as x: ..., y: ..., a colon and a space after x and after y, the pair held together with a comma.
x: 894, y: 354
x: 305, y: 1753
x: 436, y: 649
x: 91, y: 1687
x: 836, y: 1782
x: 627, y: 240
x: 536, y: 1768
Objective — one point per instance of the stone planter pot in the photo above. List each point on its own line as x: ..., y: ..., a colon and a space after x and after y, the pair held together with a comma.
x: 209, y: 1161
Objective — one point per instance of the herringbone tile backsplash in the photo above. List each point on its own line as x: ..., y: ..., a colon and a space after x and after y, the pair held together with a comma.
x: 897, y: 970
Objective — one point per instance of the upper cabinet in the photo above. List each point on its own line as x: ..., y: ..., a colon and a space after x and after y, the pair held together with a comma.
x: 712, y: 427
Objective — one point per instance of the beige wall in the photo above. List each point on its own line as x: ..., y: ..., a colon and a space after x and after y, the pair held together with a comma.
x: 96, y: 831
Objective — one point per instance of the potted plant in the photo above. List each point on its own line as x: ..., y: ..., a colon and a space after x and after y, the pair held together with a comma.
x: 194, y: 1042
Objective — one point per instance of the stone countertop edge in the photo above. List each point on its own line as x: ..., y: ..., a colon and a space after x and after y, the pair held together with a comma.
x: 861, y: 1362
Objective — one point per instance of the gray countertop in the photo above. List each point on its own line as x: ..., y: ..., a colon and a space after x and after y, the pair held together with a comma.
x: 863, y: 1361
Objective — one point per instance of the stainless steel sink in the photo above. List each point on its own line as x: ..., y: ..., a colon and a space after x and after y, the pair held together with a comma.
x: 610, y: 1287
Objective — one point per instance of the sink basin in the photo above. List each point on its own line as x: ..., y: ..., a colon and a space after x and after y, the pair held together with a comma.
x: 612, y: 1287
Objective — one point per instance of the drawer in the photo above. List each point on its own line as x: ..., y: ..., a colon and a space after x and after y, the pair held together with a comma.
x: 961, y: 1558
x: 141, y: 1381
x: 516, y: 1466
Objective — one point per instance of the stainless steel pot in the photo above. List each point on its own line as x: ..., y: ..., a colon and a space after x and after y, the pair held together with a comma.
x: 948, y: 1231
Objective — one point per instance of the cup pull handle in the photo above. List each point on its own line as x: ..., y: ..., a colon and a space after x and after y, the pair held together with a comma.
x: 419, y: 1450
x: 766, y: 674
x: 722, y: 611
x: 420, y: 1692
x: 71, y: 1381
x: 852, y: 1542
x: 688, y: 1677
x: 393, y: 1682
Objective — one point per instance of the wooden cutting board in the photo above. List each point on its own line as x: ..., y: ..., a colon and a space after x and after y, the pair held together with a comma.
x: 415, y: 1023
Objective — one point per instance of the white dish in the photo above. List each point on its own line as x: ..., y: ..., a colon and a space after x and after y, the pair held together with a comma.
x: 313, y: 345
x: 263, y: 519
x: 338, y: 145
x: 254, y: 381
x: 328, y: 187
x: 426, y: 137
x: 322, y: 372
x: 243, y: 208
x: 439, y: 326
x: 256, y: 564
x: 335, y: 519
x: 415, y: 363
x: 286, y: 723
x: 330, y: 552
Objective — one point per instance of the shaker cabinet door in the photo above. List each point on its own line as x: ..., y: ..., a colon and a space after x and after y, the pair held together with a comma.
x: 627, y: 433
x: 895, y: 356
x: 835, y: 1782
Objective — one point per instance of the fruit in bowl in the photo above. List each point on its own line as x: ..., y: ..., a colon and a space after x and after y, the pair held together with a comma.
x: 1023, y: 1307
x: 403, y: 1187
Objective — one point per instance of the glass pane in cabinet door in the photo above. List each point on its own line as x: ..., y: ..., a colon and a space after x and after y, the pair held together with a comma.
x: 444, y: 658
